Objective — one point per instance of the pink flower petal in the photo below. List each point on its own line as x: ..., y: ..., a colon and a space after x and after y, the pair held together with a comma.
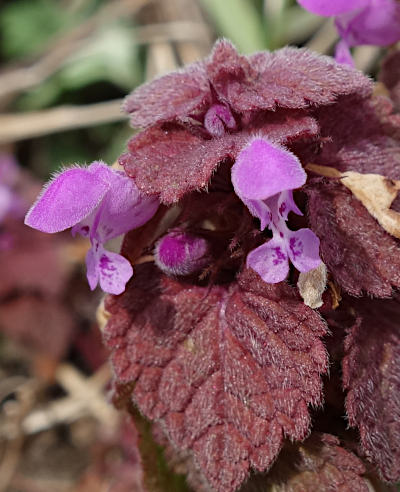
x: 92, y: 271
x: 303, y: 249
x: 216, y: 118
x: 124, y: 208
x: 6, y: 198
x: 66, y: 200
x: 286, y: 204
x: 263, y: 169
x: 114, y: 272
x: 377, y: 24
x: 259, y: 209
x: 332, y: 7
x: 343, y: 54
x: 270, y: 261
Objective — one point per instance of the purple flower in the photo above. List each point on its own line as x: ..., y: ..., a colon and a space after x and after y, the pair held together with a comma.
x: 10, y: 202
x: 263, y: 177
x: 375, y: 22
x: 99, y: 203
x: 180, y: 253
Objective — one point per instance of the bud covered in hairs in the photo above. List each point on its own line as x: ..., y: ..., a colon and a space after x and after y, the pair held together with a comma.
x: 180, y: 253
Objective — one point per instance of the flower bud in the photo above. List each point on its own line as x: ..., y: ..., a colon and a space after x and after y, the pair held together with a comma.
x: 179, y: 253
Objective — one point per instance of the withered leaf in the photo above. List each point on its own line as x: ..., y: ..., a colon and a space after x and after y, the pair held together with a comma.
x: 374, y: 191
x: 312, y: 285
x: 359, y: 254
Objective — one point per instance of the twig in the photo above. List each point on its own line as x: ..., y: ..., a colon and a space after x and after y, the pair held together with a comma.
x: 16, y: 412
x: 14, y: 127
x: 365, y: 57
x: 85, y: 398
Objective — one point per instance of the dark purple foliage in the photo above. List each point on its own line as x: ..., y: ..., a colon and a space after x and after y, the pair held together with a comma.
x: 372, y: 377
x: 361, y: 256
x: 224, y: 363
x: 319, y: 463
x: 390, y: 76
x: 225, y: 370
x: 171, y: 160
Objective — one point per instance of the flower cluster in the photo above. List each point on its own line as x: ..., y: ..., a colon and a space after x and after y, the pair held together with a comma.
x: 264, y: 176
x: 358, y: 22
x: 99, y: 203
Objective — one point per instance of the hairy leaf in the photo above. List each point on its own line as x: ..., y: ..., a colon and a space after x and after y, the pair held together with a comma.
x: 357, y: 135
x: 289, y: 78
x: 171, y: 161
x: 171, y: 97
x: 320, y: 464
x: 374, y: 191
x: 228, y: 371
x: 361, y: 256
x: 371, y: 376
x: 390, y: 76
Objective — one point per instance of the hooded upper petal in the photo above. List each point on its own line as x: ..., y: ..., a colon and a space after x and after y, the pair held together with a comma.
x: 124, y: 208
x: 263, y: 169
x: 66, y: 200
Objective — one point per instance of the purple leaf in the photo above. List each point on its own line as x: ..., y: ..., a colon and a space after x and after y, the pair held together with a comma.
x: 359, y: 254
x: 319, y: 463
x: 371, y: 376
x: 228, y: 371
x: 172, y: 162
x: 171, y: 97
x: 289, y: 78
x: 357, y: 135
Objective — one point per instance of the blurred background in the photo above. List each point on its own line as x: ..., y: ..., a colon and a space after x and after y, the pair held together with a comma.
x: 66, y: 65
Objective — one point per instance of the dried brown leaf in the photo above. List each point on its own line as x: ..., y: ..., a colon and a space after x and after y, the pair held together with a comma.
x: 312, y: 285
x: 374, y: 191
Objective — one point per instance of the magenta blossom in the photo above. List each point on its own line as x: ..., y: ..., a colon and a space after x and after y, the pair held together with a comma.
x: 99, y: 203
x: 10, y: 202
x: 375, y: 22
x: 180, y: 253
x: 264, y: 176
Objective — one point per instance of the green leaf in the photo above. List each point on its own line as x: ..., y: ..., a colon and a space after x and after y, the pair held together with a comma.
x: 112, y: 55
x: 240, y: 21
x: 27, y: 25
